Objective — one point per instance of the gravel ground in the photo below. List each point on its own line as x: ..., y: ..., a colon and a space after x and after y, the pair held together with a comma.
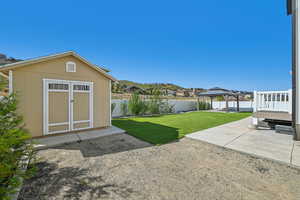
x: 122, y: 167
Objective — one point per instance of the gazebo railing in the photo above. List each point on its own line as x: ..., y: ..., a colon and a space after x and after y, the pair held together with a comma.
x: 279, y: 101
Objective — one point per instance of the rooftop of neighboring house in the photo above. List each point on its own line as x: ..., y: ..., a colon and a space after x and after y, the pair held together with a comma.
x: 217, y: 89
x: 133, y: 87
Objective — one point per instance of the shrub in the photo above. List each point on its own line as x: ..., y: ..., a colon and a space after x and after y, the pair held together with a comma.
x: 204, y: 105
x: 124, y: 108
x: 154, y: 103
x: 113, y: 106
x: 208, y: 106
x: 13, y: 148
x: 165, y: 107
x: 192, y: 105
x: 144, y: 108
x: 136, y: 105
x: 201, y: 105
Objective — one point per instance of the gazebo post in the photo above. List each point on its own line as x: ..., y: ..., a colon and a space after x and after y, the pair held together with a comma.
x: 211, y: 102
x: 238, y: 103
x: 227, y: 109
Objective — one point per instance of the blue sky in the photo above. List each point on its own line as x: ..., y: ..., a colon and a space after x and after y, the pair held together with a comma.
x: 233, y: 44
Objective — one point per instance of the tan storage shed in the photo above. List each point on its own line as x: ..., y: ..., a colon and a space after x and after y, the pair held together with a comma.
x: 60, y: 93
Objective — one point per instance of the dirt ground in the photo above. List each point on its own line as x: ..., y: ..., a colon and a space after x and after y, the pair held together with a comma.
x: 122, y: 167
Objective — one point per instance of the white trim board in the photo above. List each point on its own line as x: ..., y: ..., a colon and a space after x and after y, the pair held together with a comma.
x: 3, y: 75
x: 10, y: 81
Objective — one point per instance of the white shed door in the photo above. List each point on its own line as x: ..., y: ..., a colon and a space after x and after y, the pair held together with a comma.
x: 68, y: 106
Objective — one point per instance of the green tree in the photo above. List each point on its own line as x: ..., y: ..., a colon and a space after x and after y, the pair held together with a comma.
x: 14, y: 148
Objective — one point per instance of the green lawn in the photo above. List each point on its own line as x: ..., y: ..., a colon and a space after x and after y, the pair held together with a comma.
x: 166, y: 128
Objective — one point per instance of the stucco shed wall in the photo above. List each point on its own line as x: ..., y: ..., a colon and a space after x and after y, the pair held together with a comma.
x: 28, y: 84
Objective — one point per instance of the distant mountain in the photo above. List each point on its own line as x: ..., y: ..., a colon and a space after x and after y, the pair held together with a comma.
x: 165, y: 89
x: 7, y: 60
x: 168, y: 86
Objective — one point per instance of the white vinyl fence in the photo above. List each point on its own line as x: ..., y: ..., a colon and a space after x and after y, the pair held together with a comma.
x: 183, y: 106
x: 245, y: 106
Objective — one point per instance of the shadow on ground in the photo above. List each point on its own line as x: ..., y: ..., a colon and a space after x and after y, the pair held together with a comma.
x: 143, y: 134
x: 105, y: 145
x: 147, y: 131
x: 65, y: 172
x: 52, y: 182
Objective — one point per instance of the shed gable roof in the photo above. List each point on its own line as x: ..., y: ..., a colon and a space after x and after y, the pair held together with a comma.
x: 54, y: 56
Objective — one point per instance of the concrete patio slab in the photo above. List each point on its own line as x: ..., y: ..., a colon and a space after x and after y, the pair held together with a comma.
x: 215, y: 136
x: 87, y: 135
x: 263, y: 143
x: 51, y: 141
x: 223, y: 134
x: 41, y: 143
x: 296, y: 154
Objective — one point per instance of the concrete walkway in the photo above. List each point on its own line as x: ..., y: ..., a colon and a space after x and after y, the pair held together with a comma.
x: 262, y: 143
x: 51, y: 141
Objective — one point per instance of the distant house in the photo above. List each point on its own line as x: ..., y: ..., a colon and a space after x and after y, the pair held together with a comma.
x: 182, y: 93
x: 194, y: 91
x: 167, y: 92
x: 134, y: 89
x: 190, y: 92
x: 170, y: 93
